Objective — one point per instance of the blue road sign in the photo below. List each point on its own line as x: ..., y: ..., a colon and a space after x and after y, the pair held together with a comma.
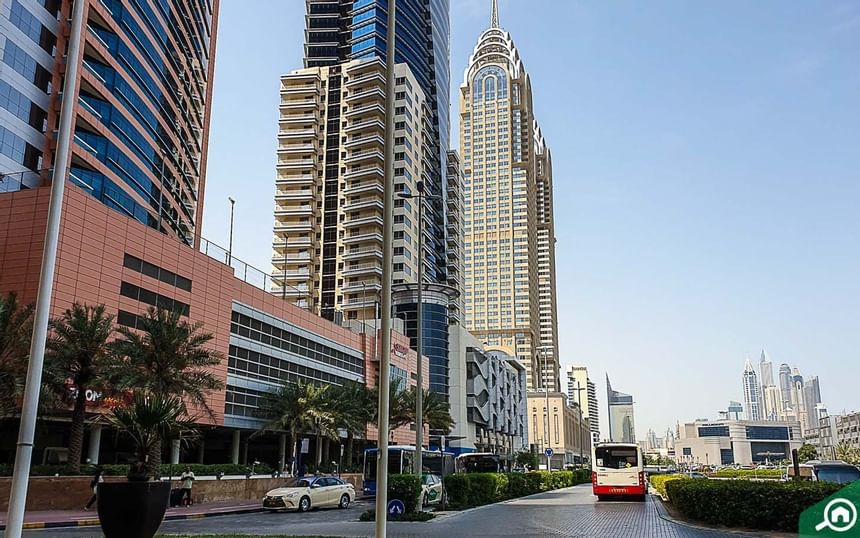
x: 396, y: 508
x: 548, y: 452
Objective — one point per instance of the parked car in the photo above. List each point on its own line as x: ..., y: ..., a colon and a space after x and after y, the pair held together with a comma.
x: 838, y: 472
x: 431, y: 489
x: 697, y: 475
x: 308, y: 492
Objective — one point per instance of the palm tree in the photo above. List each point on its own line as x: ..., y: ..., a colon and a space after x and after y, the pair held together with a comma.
x: 437, y: 410
x: 353, y: 407
x: 301, y: 408
x: 167, y: 356
x: 847, y: 453
x: 78, y: 351
x: 151, y: 418
x: 15, y: 332
x: 399, y: 411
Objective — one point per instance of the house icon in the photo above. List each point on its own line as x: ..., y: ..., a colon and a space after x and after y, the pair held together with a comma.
x: 840, y: 516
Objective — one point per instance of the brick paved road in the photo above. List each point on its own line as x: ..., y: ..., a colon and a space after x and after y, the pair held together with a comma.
x: 570, y: 512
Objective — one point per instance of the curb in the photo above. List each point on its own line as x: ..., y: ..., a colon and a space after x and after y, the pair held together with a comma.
x: 33, y: 525
x: 666, y: 516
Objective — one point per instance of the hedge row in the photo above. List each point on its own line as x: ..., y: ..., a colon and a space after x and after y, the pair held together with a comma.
x: 468, y: 490
x: 407, y: 488
x: 122, y: 470
x: 749, y: 473
x: 772, y: 506
x: 658, y: 481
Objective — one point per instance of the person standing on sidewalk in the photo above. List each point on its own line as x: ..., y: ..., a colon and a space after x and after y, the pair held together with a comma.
x: 187, y: 480
x: 98, y: 478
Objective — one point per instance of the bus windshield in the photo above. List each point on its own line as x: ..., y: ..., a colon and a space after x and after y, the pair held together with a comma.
x: 395, y: 465
x: 616, y: 457
x: 840, y: 474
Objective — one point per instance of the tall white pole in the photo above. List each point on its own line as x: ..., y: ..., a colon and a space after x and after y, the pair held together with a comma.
x: 27, y: 430
x: 387, y: 276
x: 419, y: 377
x: 546, y: 391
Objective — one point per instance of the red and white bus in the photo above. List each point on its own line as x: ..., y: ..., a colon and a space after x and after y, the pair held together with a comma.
x: 618, y: 470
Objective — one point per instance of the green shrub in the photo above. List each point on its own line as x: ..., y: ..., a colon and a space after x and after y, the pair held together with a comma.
x: 749, y: 473
x: 773, y: 506
x: 407, y: 488
x: 658, y: 481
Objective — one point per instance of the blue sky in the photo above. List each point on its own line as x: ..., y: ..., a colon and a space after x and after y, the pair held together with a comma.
x: 706, y: 176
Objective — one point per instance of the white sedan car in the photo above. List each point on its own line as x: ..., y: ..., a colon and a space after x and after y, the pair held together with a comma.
x: 431, y: 489
x: 308, y: 492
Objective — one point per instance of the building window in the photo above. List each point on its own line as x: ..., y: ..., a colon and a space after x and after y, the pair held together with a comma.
x: 152, y: 298
x: 156, y: 272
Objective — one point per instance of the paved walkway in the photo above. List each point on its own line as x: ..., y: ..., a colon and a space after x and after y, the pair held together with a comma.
x: 569, y: 512
x: 81, y: 518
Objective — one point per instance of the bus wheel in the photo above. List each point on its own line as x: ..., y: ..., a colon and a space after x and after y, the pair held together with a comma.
x: 601, y: 498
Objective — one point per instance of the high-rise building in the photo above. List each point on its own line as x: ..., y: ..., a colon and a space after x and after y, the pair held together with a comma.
x: 765, y: 368
x: 622, y: 428
x: 772, y: 398
x: 752, y: 393
x: 812, y: 397
x: 577, y: 378
x: 509, y: 237
x: 141, y: 121
x: 341, y: 31
x: 785, y: 384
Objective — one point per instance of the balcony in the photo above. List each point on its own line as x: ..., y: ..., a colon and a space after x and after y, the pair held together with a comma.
x: 364, y: 125
x: 363, y: 203
x: 365, y: 110
x: 304, y: 194
x: 361, y: 253
x: 294, y: 180
x: 300, y: 118
x: 362, y: 237
x: 364, y: 220
x: 373, y: 76
x: 362, y: 286
x: 358, y: 142
x: 375, y: 94
x: 363, y: 172
x: 294, y: 211
x: 293, y: 226
x: 291, y: 259
x: 296, y: 89
x: 293, y: 275
x: 296, y: 164
x: 370, y: 156
x: 358, y: 187
x: 280, y: 243
x: 298, y: 104
x: 362, y: 269
x: 297, y: 149
x: 297, y: 133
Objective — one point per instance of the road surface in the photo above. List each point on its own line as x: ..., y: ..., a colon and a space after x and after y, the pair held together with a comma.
x: 569, y: 512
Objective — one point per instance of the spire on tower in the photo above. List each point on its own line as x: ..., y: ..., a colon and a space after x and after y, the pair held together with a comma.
x: 494, y: 19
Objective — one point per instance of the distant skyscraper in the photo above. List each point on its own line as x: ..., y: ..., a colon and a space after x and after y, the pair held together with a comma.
x: 669, y: 439
x: 620, y: 411
x: 798, y: 399
x: 752, y: 392
x: 785, y: 384
x: 773, y: 407
x: 141, y: 112
x: 577, y: 376
x: 734, y: 411
x: 509, y: 235
x: 812, y: 399
x: 765, y: 368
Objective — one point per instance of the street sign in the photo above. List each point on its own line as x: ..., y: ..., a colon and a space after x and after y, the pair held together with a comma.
x: 548, y: 452
x: 396, y: 508
x: 306, y: 446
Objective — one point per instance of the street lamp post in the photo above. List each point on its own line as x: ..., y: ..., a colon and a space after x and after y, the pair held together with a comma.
x: 387, y: 278
x: 33, y: 384
x: 419, y: 314
x: 230, y: 244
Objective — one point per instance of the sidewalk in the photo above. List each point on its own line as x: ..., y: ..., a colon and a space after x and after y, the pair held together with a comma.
x: 81, y: 518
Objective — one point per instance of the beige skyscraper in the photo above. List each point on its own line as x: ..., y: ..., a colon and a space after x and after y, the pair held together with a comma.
x: 509, y: 236
x: 327, y: 246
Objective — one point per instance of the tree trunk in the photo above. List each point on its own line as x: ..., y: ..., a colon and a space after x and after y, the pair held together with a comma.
x: 76, y: 437
x: 349, y: 448
x: 294, y: 440
x: 318, y: 452
x: 153, y: 464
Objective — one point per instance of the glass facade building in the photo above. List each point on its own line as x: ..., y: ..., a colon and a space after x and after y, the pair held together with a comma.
x: 342, y: 30
x: 142, y: 110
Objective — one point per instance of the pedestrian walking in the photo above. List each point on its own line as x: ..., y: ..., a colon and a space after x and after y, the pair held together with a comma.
x: 98, y: 478
x: 187, y: 480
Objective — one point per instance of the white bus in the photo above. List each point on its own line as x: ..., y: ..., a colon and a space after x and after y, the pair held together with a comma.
x: 618, y: 470
x: 478, y: 462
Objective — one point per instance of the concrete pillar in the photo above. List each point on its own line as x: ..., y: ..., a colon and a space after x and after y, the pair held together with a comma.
x: 282, y: 451
x: 201, y: 449
x: 174, y: 451
x: 95, y: 442
x: 244, y: 459
x: 234, y: 447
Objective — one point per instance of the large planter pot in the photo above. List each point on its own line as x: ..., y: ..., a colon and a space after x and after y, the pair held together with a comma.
x: 132, y: 509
